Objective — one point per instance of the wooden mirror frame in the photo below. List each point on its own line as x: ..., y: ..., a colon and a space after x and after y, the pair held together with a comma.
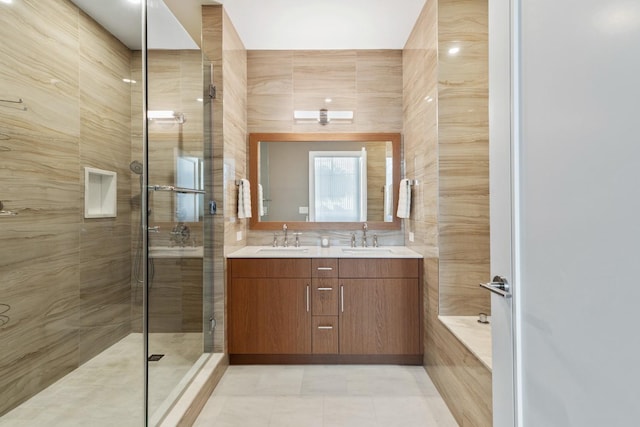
x: 256, y: 138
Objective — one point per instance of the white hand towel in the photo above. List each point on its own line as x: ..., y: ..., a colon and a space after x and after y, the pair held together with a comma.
x: 260, y: 201
x: 244, y: 199
x: 404, y: 199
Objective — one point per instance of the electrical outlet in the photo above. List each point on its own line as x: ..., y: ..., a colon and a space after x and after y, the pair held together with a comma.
x: 411, y: 236
x: 238, y: 235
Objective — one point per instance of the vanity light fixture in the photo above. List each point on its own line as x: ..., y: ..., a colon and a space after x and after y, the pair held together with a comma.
x: 166, y: 116
x: 323, y: 116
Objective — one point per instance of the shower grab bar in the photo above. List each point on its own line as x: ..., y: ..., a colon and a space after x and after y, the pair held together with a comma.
x: 175, y: 189
x: 19, y: 101
x: 11, y: 101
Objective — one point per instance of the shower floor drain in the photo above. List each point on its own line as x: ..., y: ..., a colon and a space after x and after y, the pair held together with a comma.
x: 155, y: 357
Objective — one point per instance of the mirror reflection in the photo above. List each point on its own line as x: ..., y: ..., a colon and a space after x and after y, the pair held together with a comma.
x: 324, y: 179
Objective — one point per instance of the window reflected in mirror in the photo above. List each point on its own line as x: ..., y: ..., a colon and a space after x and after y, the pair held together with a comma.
x: 338, y: 185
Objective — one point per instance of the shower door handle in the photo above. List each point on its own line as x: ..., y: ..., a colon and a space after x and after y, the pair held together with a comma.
x: 499, y: 286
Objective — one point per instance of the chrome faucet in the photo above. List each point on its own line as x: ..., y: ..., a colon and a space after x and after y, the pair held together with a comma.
x: 365, y: 227
x: 297, y: 244
x: 353, y: 240
x: 375, y: 240
x: 285, y: 242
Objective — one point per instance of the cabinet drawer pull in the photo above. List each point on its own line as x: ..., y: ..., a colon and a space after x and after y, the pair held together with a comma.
x: 325, y: 289
x: 342, y: 298
x: 307, y: 298
x: 325, y: 327
x: 325, y: 268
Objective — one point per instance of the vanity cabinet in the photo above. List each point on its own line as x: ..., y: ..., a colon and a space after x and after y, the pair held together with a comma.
x: 324, y: 305
x: 379, y: 306
x: 324, y: 310
x: 269, y: 308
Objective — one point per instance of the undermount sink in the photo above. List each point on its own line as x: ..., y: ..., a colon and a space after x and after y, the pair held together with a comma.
x: 176, y: 252
x: 284, y: 249
x: 367, y: 250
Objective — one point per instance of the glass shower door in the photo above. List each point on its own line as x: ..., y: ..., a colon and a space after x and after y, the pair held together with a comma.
x: 177, y: 177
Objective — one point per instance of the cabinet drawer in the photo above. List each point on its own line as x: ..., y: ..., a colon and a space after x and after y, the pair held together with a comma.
x: 325, y: 335
x: 324, y: 267
x: 379, y: 268
x: 270, y: 267
x: 324, y: 298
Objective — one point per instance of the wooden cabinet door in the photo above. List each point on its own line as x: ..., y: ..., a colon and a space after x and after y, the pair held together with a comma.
x: 269, y: 316
x: 379, y: 316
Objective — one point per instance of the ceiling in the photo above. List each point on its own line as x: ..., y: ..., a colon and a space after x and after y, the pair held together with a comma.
x: 266, y: 24
x: 325, y: 24
x: 123, y: 19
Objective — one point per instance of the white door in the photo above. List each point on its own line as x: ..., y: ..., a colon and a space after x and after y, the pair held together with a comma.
x: 501, y: 213
x: 576, y: 211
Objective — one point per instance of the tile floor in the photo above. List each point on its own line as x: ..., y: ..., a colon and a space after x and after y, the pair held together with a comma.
x: 325, y: 396
x: 107, y: 391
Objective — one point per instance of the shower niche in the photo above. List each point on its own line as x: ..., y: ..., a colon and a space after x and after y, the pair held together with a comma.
x: 100, y: 193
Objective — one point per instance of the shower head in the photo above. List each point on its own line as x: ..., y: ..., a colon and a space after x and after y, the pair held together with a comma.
x: 136, y: 167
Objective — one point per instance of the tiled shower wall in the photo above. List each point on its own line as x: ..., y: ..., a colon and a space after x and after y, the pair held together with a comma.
x: 446, y: 136
x: 368, y: 82
x: 175, y: 293
x: 65, y: 278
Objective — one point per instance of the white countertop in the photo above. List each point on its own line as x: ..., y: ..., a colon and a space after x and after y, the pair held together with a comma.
x: 319, y: 252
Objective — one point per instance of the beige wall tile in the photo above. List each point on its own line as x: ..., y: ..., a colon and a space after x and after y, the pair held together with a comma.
x: 447, y: 142
x: 67, y: 278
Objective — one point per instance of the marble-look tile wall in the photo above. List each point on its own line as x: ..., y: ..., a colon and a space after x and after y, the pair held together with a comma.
x: 174, y: 83
x: 463, y: 144
x: 447, y: 148
x: 368, y: 82
x: 223, y: 47
x: 175, y: 295
x: 65, y: 279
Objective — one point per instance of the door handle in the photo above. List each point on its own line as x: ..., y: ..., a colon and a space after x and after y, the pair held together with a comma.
x: 499, y: 286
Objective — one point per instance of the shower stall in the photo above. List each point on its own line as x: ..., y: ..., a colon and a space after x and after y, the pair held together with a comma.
x: 106, y: 262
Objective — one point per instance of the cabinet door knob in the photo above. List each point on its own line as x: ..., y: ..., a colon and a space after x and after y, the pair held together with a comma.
x: 342, y: 298
x: 307, y: 298
x: 325, y: 289
x: 325, y: 327
x: 325, y: 268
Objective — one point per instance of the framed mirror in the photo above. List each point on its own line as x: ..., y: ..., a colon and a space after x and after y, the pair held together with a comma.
x: 324, y: 181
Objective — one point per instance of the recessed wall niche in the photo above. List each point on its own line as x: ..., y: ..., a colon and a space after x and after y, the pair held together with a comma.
x: 100, y: 190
